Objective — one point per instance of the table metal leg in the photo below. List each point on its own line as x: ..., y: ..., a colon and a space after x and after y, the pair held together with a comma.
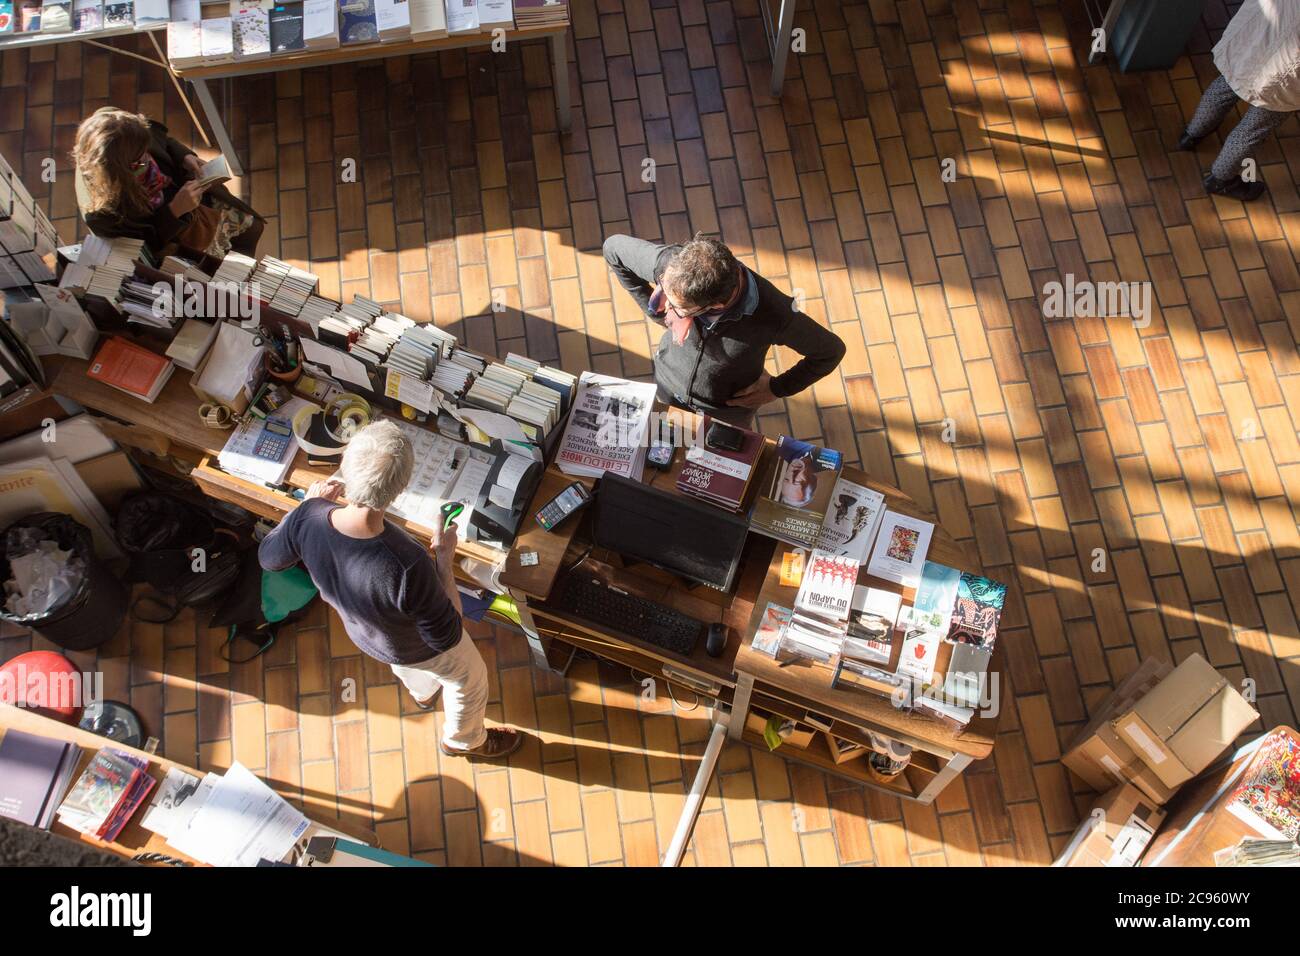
x: 740, y: 705
x: 946, y: 775
x: 560, y: 64
x: 217, y: 125
x: 694, y: 799
x: 534, y: 639
x: 781, y: 45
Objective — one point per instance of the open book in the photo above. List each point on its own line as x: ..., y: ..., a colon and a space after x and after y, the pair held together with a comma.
x: 214, y: 171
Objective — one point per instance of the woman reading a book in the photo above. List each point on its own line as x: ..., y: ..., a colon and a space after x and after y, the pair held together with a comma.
x: 134, y: 180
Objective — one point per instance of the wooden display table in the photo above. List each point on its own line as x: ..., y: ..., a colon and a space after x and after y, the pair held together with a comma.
x: 134, y: 838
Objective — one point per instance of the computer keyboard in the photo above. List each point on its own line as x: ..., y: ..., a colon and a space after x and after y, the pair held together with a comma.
x: 648, y: 621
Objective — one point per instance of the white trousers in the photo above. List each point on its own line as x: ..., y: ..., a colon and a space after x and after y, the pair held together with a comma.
x: 462, y: 675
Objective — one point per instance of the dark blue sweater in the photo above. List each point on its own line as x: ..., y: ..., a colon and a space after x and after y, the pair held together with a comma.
x: 385, y: 589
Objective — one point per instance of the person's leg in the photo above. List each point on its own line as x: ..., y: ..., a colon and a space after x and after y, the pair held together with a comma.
x: 420, y: 683
x: 463, y: 676
x: 1216, y: 102
x: 1241, y: 142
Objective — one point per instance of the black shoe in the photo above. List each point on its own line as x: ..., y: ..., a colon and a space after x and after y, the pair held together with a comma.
x: 1187, y: 142
x: 1235, y: 188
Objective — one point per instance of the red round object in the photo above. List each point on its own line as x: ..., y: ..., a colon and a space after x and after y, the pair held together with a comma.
x: 47, y: 683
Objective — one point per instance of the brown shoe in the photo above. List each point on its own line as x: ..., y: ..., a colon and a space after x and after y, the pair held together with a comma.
x: 501, y: 742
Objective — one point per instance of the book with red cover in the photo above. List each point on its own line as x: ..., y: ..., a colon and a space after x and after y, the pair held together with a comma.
x: 719, y: 476
x: 129, y: 368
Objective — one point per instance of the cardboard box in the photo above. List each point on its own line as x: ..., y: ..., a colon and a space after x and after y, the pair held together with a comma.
x: 1116, y: 831
x: 1185, y: 722
x: 842, y: 751
x: 111, y: 477
x: 792, y: 733
x: 1100, y: 757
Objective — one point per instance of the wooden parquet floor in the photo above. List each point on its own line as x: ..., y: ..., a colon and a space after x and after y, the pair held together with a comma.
x: 1170, y: 451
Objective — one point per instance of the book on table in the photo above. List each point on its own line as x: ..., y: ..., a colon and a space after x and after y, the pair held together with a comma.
x: 792, y: 506
x: 719, y: 475
x: 853, y: 516
x: 127, y: 367
x: 34, y: 772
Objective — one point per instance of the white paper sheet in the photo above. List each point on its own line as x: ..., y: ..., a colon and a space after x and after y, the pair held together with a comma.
x: 340, y: 364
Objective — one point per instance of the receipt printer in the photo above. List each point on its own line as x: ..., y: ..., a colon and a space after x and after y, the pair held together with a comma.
x: 503, y: 499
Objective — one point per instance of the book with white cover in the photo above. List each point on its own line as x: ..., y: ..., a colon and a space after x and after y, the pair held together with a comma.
x: 827, y: 586
x: 852, y: 517
x: 149, y: 12
x: 900, y: 550
x: 493, y: 14
x: 462, y: 16
x: 393, y: 19
x: 251, y: 26
x: 218, y: 40
x: 428, y: 19
x: 320, y: 24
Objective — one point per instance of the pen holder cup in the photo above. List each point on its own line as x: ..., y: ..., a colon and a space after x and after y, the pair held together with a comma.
x: 292, y: 375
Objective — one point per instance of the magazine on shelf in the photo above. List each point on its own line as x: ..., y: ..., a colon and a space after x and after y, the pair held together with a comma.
x: 900, y: 549
x: 357, y: 22
x: 607, y: 427
x: 793, y: 504
x: 852, y: 517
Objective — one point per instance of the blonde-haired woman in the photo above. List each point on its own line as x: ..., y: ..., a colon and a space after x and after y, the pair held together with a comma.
x: 134, y: 180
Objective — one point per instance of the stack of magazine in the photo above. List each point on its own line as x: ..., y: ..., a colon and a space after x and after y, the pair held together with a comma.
x: 608, y: 427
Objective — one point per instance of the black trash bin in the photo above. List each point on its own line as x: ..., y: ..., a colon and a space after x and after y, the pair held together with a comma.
x: 95, y: 611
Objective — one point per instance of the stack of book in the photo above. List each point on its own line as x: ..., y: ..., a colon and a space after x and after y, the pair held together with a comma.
x: 428, y: 19
x: 719, y: 475
x: 143, y: 306
x: 316, y: 309
x: 540, y: 13
x: 320, y: 24
x: 127, y: 367
x: 561, y: 382
x: 106, y: 794
x: 217, y: 41
x: 28, y: 240
x: 495, y: 15
x: 345, y: 325
x: 454, y: 375
x: 102, y: 265
x: 418, y: 350
x: 252, y: 30
x: 392, y: 20
x: 235, y: 267
x: 792, y: 506
x: 180, y: 266
x: 822, y: 607
x: 34, y: 774
x: 286, y: 28
x: 294, y: 290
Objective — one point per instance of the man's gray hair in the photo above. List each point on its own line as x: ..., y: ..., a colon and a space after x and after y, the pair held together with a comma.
x: 377, y: 465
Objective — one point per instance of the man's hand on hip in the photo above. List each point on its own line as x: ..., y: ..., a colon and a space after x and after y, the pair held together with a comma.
x: 755, y: 395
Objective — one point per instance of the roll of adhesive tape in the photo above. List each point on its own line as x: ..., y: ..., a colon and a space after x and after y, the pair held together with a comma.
x: 342, y: 418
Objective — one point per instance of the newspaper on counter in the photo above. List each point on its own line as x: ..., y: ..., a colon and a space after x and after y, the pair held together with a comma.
x: 607, y: 427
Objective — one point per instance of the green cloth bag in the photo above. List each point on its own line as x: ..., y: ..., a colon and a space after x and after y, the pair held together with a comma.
x: 284, y: 592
